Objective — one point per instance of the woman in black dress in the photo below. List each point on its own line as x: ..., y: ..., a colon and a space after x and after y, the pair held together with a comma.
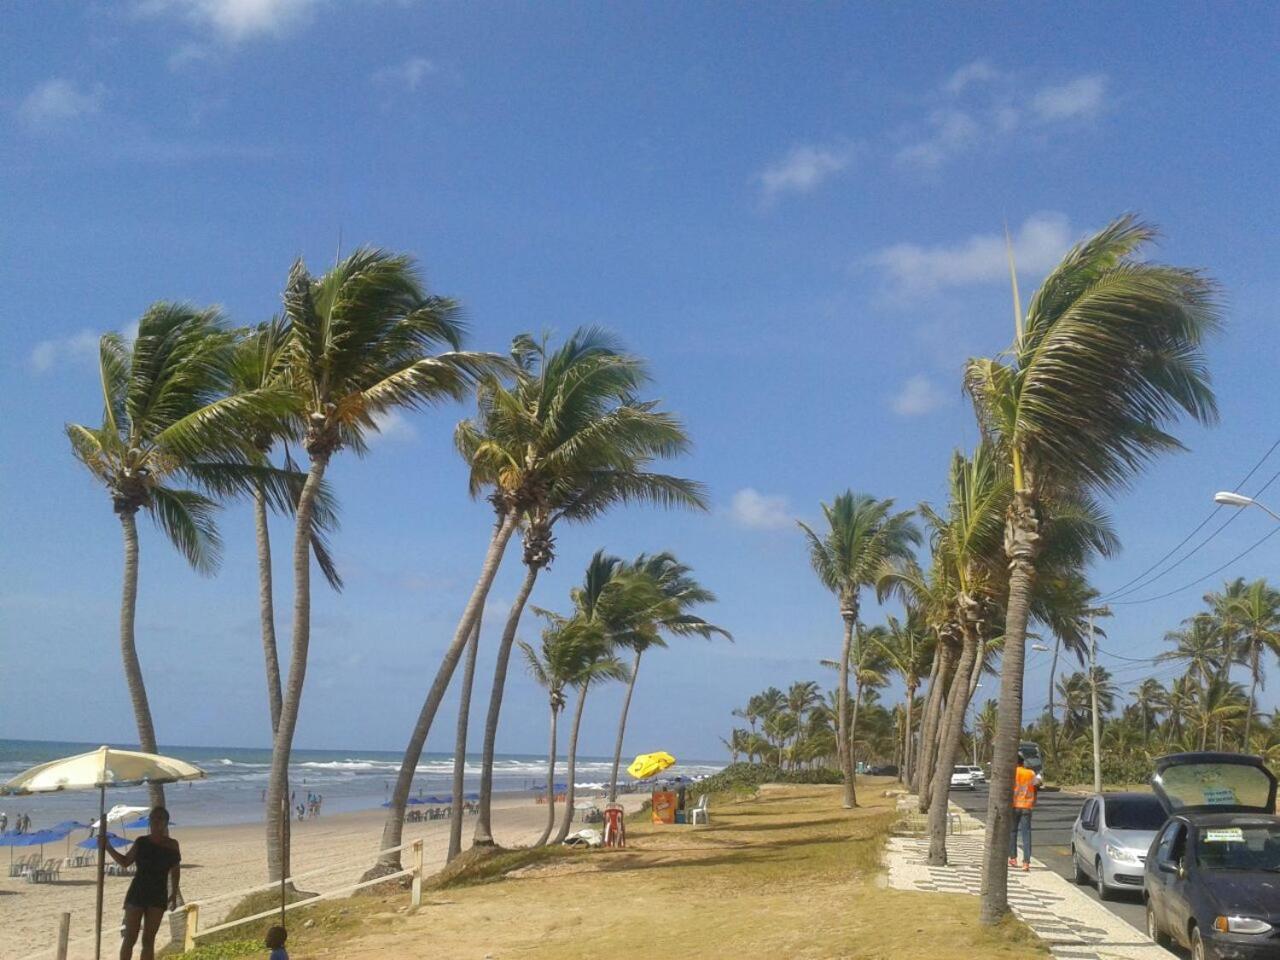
x: 158, y: 859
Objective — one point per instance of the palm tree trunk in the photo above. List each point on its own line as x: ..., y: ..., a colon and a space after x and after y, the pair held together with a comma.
x: 266, y: 606
x: 571, y: 771
x: 1254, y: 669
x: 931, y: 690
x: 460, y: 745
x: 278, y: 785
x: 551, y: 782
x: 1022, y: 544
x: 267, y: 618
x: 128, y: 649
x: 622, y: 729
x: 933, y: 720
x: 905, y: 771
x: 1053, y: 720
x: 484, y: 822
x: 949, y: 743
x: 842, y: 717
x: 393, y: 826
x: 853, y: 734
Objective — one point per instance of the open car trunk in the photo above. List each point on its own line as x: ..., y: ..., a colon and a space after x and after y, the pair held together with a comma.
x: 1214, y: 783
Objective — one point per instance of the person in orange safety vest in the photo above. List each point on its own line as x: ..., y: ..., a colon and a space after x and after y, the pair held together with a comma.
x: 1025, y: 784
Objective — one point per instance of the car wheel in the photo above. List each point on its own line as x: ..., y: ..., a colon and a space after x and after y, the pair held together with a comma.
x: 1078, y: 876
x: 1104, y: 892
x: 1198, y: 949
x: 1153, y: 928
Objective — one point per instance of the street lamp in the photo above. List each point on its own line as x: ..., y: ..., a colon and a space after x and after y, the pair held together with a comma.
x: 1227, y: 498
x: 1039, y: 648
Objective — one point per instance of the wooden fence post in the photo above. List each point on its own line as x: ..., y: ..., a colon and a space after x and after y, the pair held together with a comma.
x: 193, y: 922
x: 416, y: 900
x: 64, y: 935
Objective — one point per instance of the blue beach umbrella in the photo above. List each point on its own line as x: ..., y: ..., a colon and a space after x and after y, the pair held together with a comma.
x: 471, y: 796
x: 92, y: 842
x: 143, y: 823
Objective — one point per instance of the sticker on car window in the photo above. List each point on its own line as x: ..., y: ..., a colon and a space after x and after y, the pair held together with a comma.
x: 1228, y: 835
x: 1220, y: 796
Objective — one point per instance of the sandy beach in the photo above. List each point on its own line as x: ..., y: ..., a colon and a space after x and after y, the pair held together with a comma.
x: 217, y: 860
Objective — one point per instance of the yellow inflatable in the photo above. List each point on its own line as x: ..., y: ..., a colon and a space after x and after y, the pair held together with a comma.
x: 649, y: 764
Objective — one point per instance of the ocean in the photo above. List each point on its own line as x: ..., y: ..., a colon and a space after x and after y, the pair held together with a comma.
x: 237, y: 778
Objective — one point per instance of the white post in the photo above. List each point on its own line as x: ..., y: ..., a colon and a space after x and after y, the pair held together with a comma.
x: 416, y: 897
x: 1093, y: 690
x: 193, y: 923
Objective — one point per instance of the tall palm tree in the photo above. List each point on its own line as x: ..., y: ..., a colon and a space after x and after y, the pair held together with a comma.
x: 362, y: 336
x: 1257, y: 613
x: 1220, y: 703
x: 260, y: 362
x: 676, y: 593
x: 1109, y: 354
x: 1151, y: 698
x: 570, y: 433
x: 608, y: 608
x: 863, y: 537
x: 168, y: 439
x: 909, y: 647
x: 1198, y: 645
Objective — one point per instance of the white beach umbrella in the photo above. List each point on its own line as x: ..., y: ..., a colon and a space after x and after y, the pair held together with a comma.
x: 97, y: 770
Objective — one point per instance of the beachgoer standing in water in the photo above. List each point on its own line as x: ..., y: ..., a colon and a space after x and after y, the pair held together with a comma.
x: 155, y: 885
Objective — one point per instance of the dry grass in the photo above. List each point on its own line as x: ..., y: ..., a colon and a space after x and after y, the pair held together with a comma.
x: 787, y: 873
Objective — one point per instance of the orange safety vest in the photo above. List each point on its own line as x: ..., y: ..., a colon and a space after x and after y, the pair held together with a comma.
x: 1024, y: 789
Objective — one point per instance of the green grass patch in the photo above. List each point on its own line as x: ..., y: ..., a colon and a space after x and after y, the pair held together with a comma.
x: 489, y: 864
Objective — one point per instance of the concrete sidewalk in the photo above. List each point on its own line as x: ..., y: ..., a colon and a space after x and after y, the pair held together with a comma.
x: 1073, y: 925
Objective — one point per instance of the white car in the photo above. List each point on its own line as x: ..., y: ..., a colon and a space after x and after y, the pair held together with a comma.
x: 978, y: 774
x: 961, y: 778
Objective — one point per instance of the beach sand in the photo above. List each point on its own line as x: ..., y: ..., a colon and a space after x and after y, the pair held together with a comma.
x: 217, y: 860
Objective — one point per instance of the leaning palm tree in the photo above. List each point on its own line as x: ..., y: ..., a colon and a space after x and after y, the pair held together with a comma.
x: 168, y: 439
x: 1257, y: 613
x: 1109, y: 354
x: 675, y: 594
x: 863, y: 536
x: 361, y: 347
x: 571, y: 433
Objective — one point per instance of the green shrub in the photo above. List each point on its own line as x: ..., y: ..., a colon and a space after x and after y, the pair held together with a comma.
x: 225, y: 949
x: 747, y: 777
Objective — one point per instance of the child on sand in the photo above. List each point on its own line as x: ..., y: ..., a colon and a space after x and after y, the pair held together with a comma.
x: 276, y: 937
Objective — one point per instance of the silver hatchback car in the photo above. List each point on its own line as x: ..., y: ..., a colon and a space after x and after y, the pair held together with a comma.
x: 1110, y: 839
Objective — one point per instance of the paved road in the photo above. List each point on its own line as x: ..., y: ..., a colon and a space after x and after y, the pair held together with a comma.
x: 1051, y: 843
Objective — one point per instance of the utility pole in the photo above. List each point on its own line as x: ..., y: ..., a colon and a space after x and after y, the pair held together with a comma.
x: 1093, y: 690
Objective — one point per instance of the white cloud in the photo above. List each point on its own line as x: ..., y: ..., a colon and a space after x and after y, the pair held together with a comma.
x: 919, y: 395
x: 949, y: 132
x: 1077, y: 99
x: 59, y: 100
x: 1037, y: 245
x: 77, y: 348
x: 234, y: 19
x: 759, y: 511
x: 408, y: 74
x: 393, y: 427
x: 980, y: 71
x: 803, y: 169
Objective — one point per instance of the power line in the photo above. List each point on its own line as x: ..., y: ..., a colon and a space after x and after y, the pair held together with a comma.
x: 1216, y: 570
x: 1116, y: 656
x: 1123, y: 590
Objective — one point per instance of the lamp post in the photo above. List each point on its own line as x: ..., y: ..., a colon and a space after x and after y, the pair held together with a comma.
x: 1227, y: 498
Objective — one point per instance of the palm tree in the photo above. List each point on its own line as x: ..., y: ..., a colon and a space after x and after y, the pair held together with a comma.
x: 1219, y: 703
x: 1110, y: 352
x: 360, y: 348
x: 607, y: 609
x: 675, y: 593
x: 1198, y: 645
x: 863, y: 537
x: 572, y: 436
x: 1151, y: 698
x: 1257, y: 612
x: 985, y: 724
x: 909, y: 647
x: 566, y: 646
x: 167, y: 423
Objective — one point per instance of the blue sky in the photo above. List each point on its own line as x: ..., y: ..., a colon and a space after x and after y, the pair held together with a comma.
x: 794, y: 212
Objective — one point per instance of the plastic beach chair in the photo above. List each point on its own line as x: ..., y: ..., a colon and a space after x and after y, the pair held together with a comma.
x: 700, y: 811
